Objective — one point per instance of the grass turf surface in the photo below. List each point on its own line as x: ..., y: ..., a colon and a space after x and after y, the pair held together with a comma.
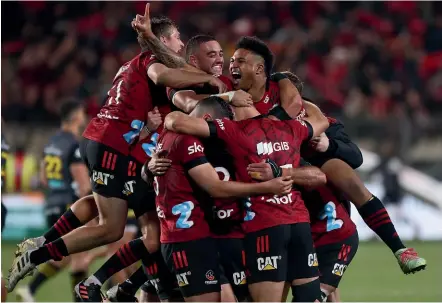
x: 372, y: 276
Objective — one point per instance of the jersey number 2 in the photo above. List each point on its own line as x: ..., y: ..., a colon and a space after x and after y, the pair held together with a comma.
x: 184, y: 210
x: 329, y: 212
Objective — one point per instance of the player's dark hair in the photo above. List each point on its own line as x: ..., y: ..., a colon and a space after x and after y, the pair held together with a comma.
x: 295, y: 80
x: 67, y: 109
x: 216, y: 107
x: 195, y: 43
x: 259, y: 48
x: 162, y: 26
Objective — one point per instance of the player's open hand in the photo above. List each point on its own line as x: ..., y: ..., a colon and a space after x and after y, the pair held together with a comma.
x: 280, y: 186
x: 214, y: 81
x: 158, y: 164
x: 141, y: 24
x: 242, y: 99
x: 320, y: 143
x: 260, y: 171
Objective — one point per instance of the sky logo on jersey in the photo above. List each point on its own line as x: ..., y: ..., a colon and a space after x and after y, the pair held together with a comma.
x: 129, y: 187
x: 239, y: 278
x: 195, y: 148
x: 268, y: 263
x: 101, y: 178
x: 267, y: 148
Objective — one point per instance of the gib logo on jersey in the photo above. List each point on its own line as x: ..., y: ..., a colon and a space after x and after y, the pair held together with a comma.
x: 268, y: 263
x: 312, y: 260
x: 101, y: 178
x: 195, y: 148
x: 339, y: 269
x: 267, y: 148
x: 287, y: 199
x: 182, y: 278
x: 129, y: 187
x: 239, y: 278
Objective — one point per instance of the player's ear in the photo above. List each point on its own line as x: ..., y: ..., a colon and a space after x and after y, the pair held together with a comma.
x: 259, y: 68
x: 207, y: 117
x: 163, y: 39
x: 192, y: 60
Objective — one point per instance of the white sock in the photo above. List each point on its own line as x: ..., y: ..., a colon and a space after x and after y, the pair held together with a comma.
x: 92, y: 280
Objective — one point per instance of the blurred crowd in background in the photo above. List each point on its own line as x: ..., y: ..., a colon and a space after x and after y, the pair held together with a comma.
x: 375, y: 65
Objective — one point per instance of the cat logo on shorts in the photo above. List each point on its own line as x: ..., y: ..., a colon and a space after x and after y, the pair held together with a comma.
x: 101, y: 178
x: 312, y: 260
x: 129, y: 187
x: 339, y: 269
x: 239, y: 278
x: 268, y: 263
x: 182, y: 279
x: 210, y: 276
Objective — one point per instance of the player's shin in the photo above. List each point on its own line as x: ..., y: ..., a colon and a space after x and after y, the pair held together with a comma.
x: 134, y: 282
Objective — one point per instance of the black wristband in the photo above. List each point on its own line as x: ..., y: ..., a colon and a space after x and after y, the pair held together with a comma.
x: 277, y: 171
x: 276, y: 77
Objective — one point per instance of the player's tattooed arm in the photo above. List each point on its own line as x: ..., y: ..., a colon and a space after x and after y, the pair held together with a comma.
x: 187, y: 100
x: 181, y: 123
x: 206, y: 177
x: 162, y: 52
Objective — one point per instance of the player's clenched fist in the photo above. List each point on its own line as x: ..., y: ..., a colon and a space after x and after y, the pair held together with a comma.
x: 242, y: 99
x: 280, y: 186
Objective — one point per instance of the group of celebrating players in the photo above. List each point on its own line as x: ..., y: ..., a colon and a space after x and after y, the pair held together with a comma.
x: 241, y: 187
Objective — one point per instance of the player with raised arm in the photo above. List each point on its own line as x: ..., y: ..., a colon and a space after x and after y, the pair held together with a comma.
x: 280, y: 233
x: 113, y: 157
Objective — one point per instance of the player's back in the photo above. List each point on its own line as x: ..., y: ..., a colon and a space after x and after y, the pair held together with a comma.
x: 124, y: 113
x: 179, y: 207
x: 58, y: 155
x: 330, y: 221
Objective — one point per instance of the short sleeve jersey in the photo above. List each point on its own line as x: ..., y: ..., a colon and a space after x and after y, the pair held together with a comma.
x: 330, y: 221
x: 254, y: 140
x: 61, y: 151
x: 180, y: 210
x: 120, y: 120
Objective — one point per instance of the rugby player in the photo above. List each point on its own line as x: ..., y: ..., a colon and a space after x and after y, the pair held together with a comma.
x: 114, y: 158
x: 335, y: 144
x: 65, y: 179
x: 272, y: 242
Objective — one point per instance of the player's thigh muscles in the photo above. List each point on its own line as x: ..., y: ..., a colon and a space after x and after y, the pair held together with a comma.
x: 266, y: 259
x: 334, y: 260
x: 233, y: 261
x: 196, y: 267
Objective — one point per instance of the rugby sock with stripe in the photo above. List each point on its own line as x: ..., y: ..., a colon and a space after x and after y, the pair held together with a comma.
x: 77, y: 277
x: 376, y: 216
x: 64, y: 225
x: 126, y: 255
x: 52, y: 251
x: 45, y: 272
x: 134, y: 282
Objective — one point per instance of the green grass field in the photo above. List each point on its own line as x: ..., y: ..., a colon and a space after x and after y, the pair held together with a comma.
x: 373, y: 276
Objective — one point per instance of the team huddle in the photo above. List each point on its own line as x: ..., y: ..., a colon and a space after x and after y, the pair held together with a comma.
x: 240, y: 186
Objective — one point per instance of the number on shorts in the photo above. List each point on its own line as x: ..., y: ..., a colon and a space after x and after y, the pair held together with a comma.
x: 329, y: 212
x: 184, y: 210
x: 137, y: 126
x: 249, y: 213
x: 221, y: 170
x: 149, y: 148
